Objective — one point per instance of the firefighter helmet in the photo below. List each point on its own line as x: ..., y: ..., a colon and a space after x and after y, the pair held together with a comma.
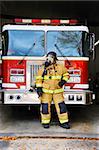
x: 53, y: 54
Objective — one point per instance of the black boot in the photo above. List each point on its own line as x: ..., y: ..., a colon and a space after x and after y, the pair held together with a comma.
x: 65, y: 125
x: 46, y: 125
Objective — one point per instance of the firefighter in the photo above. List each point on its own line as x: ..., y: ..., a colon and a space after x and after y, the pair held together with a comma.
x: 49, y: 82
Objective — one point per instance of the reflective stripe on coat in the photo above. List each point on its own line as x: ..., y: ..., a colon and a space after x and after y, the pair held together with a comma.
x: 49, y: 83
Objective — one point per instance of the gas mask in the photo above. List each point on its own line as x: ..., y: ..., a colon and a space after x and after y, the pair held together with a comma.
x: 49, y: 60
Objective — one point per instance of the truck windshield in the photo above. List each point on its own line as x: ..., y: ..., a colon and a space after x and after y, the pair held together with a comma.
x: 66, y: 43
x: 23, y: 42
x: 32, y: 43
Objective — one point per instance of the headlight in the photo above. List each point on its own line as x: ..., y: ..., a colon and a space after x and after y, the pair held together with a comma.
x: 17, y: 78
x: 74, y: 80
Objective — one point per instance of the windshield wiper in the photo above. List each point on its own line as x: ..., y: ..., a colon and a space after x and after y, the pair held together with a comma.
x: 62, y: 54
x: 26, y: 53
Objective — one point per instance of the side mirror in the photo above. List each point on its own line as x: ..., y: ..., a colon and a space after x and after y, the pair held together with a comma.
x: 0, y: 44
x: 0, y: 51
x: 92, y: 44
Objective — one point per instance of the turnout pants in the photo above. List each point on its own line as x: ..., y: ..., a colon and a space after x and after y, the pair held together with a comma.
x: 60, y: 106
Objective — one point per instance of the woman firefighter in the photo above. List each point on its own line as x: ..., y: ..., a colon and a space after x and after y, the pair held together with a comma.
x: 49, y: 82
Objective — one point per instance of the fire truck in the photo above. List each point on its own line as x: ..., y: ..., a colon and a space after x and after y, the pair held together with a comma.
x: 24, y: 47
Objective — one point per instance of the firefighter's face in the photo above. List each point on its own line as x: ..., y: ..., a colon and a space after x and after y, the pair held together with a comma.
x: 50, y: 59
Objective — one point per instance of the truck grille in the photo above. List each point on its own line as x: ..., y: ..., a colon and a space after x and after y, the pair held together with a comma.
x: 33, y: 73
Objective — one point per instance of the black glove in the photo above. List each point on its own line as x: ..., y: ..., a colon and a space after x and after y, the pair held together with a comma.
x: 39, y: 91
x: 61, y: 83
x: 31, y: 89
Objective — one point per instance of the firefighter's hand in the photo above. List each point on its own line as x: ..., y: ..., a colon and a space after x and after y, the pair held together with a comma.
x: 31, y: 89
x: 39, y: 91
x: 61, y: 83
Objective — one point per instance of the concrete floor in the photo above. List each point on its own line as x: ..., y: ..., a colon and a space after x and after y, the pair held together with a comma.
x: 20, y: 121
x: 25, y: 126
